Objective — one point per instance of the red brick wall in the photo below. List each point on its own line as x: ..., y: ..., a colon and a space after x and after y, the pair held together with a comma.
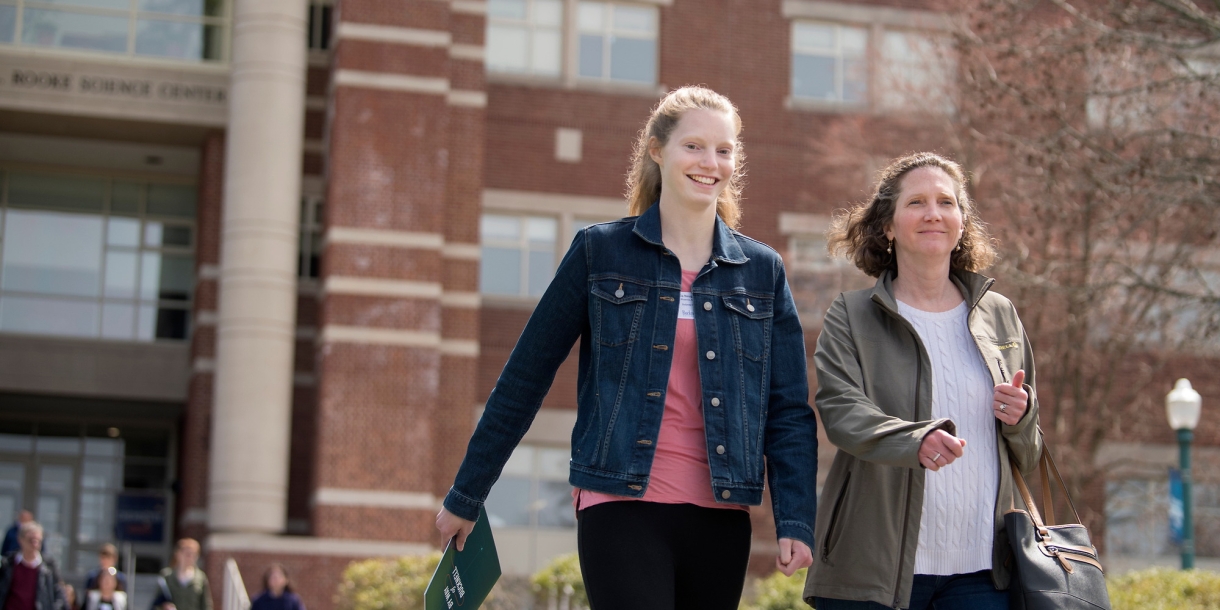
x: 196, y: 419
x: 395, y: 417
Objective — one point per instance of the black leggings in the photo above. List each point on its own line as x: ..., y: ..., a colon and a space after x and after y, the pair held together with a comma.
x: 645, y: 556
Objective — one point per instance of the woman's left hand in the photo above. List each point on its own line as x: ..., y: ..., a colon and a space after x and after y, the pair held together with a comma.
x: 1010, y: 400
x: 793, y: 555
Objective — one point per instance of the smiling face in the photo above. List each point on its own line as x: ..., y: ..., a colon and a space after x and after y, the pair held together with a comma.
x: 927, y: 222
x: 697, y: 161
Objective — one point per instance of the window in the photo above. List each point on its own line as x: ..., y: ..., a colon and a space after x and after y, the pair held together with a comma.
x: 320, y: 14
x: 310, y: 256
x: 84, y: 256
x: 915, y: 72
x: 573, y: 40
x: 518, y: 255
x: 871, y: 66
x: 829, y: 62
x: 524, y: 36
x: 618, y: 42
x: 533, y: 490
x: 192, y: 30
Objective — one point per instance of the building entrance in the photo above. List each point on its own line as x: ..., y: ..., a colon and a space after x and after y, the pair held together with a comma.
x: 88, y: 483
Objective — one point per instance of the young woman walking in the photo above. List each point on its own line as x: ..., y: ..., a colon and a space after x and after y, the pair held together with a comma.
x: 691, y: 380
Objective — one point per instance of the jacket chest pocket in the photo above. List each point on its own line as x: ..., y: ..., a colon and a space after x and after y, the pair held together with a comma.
x: 1004, y: 356
x: 751, y: 320
x: 619, y: 306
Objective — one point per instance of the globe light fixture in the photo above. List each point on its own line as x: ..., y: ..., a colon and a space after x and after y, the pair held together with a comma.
x: 1183, y: 406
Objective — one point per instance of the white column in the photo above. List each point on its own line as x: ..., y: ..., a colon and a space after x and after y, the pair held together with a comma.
x: 252, y: 405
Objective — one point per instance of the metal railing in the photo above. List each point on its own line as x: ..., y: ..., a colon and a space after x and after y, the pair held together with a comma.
x: 233, y: 592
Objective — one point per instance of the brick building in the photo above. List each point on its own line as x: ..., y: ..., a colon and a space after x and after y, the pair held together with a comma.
x: 262, y: 261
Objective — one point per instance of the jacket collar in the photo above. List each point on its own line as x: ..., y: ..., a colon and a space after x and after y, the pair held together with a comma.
x: 725, y: 248
x: 972, y: 285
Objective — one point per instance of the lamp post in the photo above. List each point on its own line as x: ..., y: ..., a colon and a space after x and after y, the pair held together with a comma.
x: 1182, y: 406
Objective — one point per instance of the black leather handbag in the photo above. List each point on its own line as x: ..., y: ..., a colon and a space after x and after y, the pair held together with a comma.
x: 1056, y: 564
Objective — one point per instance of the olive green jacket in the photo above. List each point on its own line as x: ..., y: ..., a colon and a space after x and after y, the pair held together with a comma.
x: 194, y: 595
x: 875, y: 400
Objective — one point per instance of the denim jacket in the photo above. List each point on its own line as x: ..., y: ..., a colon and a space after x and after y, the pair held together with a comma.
x: 617, y: 289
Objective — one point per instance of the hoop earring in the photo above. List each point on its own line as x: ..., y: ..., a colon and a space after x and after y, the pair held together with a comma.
x: 889, y: 248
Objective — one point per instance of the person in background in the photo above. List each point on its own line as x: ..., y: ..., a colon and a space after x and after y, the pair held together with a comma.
x: 277, y: 591
x: 69, y: 596
x: 106, y: 596
x: 183, y: 586
x: 26, y: 581
x: 107, y: 559
x: 10, y: 536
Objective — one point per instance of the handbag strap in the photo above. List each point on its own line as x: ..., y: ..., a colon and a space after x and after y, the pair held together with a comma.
x: 1046, y: 464
x: 1048, y: 505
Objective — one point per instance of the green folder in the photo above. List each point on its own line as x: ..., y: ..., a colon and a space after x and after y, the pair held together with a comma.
x: 463, y: 580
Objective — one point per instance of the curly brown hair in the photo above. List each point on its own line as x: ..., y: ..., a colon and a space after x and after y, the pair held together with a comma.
x: 859, y: 233
x: 644, y: 179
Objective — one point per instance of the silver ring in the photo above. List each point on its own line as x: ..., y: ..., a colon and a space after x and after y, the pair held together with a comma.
x: 1003, y: 407
x: 936, y: 457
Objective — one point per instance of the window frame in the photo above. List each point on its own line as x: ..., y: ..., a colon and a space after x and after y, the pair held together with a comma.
x: 569, y: 64
x: 134, y: 17
x: 567, y: 210
x: 532, y: 29
x: 523, y: 246
x: 877, y: 21
x: 946, y: 64
x: 840, y: 58
x: 311, y: 242
x: 141, y: 250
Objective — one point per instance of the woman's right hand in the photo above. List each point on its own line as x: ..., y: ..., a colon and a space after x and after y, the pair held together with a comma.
x: 451, y: 525
x: 938, y: 449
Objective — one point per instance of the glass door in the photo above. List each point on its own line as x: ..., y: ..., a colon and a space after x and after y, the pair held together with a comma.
x: 12, y: 488
x: 56, y: 487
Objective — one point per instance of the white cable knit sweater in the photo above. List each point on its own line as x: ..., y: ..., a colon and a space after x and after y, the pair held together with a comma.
x: 955, y: 532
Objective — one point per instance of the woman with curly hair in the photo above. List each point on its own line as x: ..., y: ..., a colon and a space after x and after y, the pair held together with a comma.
x: 926, y: 387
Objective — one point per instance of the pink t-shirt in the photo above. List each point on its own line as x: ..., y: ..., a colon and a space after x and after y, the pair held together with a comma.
x: 680, y: 473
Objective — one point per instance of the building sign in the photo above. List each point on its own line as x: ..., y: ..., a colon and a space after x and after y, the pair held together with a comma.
x: 139, y: 518
x: 133, y: 88
x: 187, y: 94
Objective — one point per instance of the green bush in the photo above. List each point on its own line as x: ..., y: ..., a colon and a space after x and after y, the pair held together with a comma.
x: 778, y: 592
x: 386, y: 584
x: 1154, y: 589
x: 561, y: 576
x: 1165, y: 589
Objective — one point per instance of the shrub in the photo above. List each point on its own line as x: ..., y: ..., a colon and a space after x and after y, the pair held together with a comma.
x: 778, y: 592
x: 1165, y: 589
x: 561, y: 577
x: 386, y: 584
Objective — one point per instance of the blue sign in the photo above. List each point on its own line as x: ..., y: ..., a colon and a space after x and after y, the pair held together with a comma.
x: 139, y: 518
x: 1177, y: 515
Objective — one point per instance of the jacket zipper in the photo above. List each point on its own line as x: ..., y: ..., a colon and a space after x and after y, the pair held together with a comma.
x: 1003, y: 378
x: 906, y: 512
